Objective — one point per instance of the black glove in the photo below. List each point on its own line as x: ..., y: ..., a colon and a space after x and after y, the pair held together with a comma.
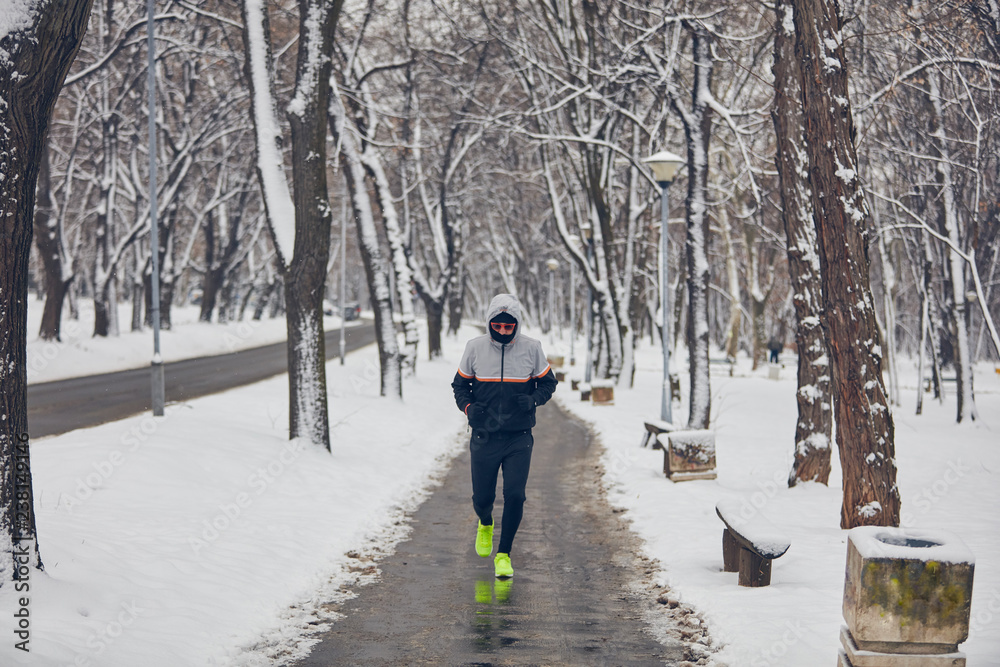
x: 477, y: 415
x: 524, y: 402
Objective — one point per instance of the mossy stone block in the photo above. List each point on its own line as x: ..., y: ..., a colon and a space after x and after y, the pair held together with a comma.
x: 908, y: 586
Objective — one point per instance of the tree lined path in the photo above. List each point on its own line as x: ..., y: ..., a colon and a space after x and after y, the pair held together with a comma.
x: 568, y: 603
x: 64, y: 405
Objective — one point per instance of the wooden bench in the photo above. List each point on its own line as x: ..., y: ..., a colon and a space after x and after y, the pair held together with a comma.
x: 729, y: 363
x: 749, y: 545
x: 654, y: 429
x: 952, y: 379
x: 689, y: 455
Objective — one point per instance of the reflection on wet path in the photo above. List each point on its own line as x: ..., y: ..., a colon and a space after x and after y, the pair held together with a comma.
x: 438, y: 603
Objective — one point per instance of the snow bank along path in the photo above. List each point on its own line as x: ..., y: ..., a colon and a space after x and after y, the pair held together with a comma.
x: 189, y: 539
x: 948, y: 479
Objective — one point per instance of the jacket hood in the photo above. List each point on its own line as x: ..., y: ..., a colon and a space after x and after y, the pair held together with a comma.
x: 504, y: 303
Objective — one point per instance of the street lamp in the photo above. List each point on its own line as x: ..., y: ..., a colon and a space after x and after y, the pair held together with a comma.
x: 553, y: 265
x: 573, y: 241
x: 343, y: 276
x: 664, y: 165
x: 588, y: 233
x: 158, y: 397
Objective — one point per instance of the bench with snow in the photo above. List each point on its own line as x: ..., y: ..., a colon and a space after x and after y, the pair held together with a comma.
x: 749, y: 544
x: 655, y: 429
x: 689, y: 455
x: 728, y: 362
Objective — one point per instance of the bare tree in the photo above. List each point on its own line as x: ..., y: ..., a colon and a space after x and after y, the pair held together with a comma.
x: 697, y: 121
x: 299, y: 224
x: 865, y: 432
x: 814, y: 425
x: 39, y: 40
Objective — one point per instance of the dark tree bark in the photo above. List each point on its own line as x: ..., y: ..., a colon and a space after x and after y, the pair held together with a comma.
x: 37, y: 57
x: 49, y: 240
x: 697, y: 123
x: 815, y: 419
x: 217, y: 268
x: 435, y: 323
x: 865, y: 432
x: 306, y: 274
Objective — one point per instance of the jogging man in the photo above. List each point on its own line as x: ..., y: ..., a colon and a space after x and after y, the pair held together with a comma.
x: 502, y: 377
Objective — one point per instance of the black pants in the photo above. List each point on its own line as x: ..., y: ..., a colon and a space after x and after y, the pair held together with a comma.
x: 512, y: 452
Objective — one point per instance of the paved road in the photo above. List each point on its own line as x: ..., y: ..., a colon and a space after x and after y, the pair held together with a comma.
x: 64, y: 405
x: 437, y: 602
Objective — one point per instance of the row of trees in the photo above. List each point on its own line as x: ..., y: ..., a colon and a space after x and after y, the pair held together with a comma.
x: 839, y: 183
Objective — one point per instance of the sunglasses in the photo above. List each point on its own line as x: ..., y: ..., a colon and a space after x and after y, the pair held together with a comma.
x: 503, y: 328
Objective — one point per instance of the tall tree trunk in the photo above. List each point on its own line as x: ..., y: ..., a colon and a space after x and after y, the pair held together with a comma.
x: 733, y: 280
x: 36, y: 59
x: 758, y: 297
x: 865, y: 431
x: 303, y: 248
x: 105, y: 294
x: 138, y: 291
x: 889, y: 305
x: 814, y: 425
x: 955, y: 265
x: 401, y: 270
x: 306, y: 275
x: 51, y: 250
x: 697, y: 133
x: 376, y: 268
x: 435, y: 323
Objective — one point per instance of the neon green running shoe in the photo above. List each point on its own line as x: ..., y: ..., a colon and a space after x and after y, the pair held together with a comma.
x: 502, y: 566
x: 484, y: 540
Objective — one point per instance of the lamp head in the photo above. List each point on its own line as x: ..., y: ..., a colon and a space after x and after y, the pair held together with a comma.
x: 665, y: 166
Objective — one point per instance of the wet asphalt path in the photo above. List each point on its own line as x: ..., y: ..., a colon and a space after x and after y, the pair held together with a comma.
x: 438, y: 603
x: 65, y: 405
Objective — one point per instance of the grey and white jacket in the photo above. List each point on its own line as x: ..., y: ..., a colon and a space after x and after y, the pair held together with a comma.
x: 494, y: 374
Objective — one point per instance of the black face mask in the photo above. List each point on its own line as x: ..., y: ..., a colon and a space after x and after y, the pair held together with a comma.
x: 503, y: 339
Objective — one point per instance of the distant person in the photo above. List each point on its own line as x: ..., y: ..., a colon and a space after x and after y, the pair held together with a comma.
x: 502, y: 377
x: 775, y: 346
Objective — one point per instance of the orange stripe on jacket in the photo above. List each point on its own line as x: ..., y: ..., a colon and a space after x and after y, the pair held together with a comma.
x: 505, y: 379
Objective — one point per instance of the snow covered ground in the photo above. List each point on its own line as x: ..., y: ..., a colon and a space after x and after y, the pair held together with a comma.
x: 207, y: 538
x: 949, y: 477
x: 79, y: 353
x: 186, y: 540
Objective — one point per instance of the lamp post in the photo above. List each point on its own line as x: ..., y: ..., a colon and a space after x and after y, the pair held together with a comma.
x: 574, y: 241
x: 158, y: 391
x: 553, y: 266
x: 588, y: 233
x: 664, y: 165
x: 343, y: 275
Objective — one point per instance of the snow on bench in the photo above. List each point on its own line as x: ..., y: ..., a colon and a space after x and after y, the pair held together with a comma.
x: 655, y: 428
x: 749, y: 543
